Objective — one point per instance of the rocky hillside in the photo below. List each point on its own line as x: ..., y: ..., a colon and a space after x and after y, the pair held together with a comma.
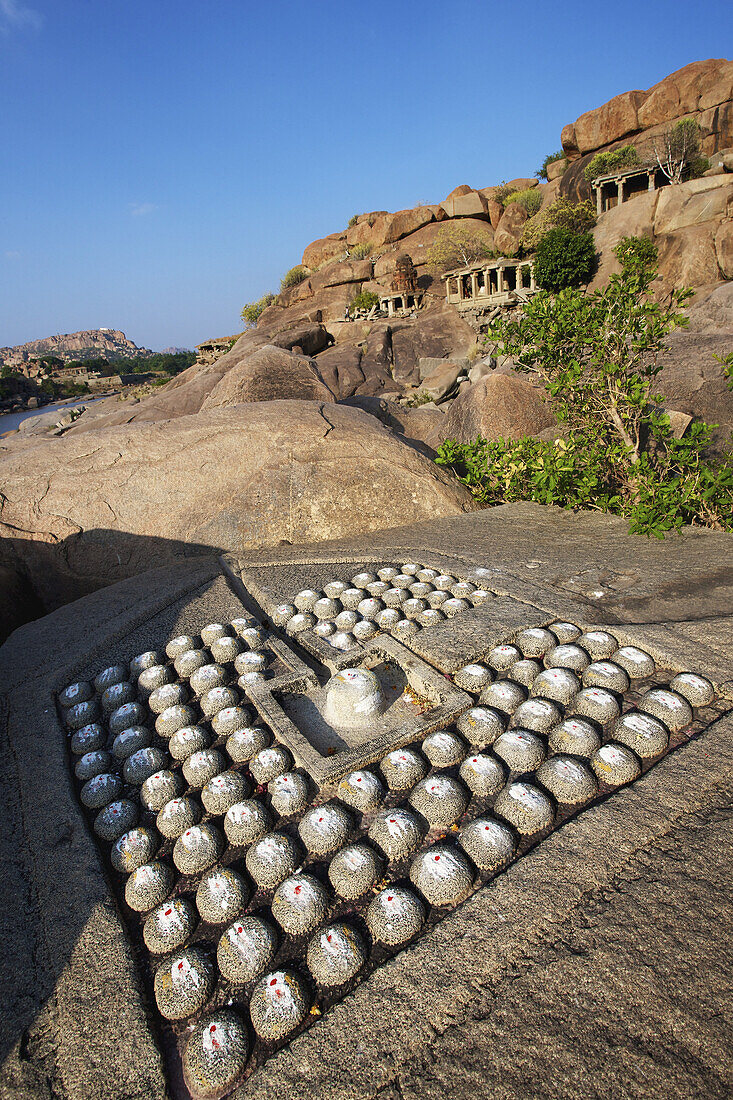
x: 311, y: 426
x: 109, y: 342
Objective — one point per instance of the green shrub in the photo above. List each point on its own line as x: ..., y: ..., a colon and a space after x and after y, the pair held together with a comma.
x: 672, y: 488
x: 361, y: 251
x: 531, y: 200
x: 726, y: 362
x: 541, y: 172
x: 636, y: 253
x: 352, y: 221
x: 293, y: 277
x: 251, y: 312
x: 604, y: 163
x: 561, y: 214
x: 597, y: 356
x: 564, y: 259
x: 365, y: 299
x: 501, y: 193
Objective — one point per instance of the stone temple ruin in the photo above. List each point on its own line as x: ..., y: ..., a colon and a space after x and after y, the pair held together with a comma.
x: 489, y: 284
x: 618, y: 187
x: 286, y: 800
x: 406, y: 297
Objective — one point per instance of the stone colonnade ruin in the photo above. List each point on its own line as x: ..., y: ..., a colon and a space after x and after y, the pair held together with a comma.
x: 493, y: 283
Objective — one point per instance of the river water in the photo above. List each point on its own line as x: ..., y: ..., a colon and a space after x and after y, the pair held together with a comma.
x: 10, y: 421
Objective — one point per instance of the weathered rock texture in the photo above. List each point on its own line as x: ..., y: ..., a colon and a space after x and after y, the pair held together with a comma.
x: 269, y: 374
x: 82, y: 512
x: 690, y: 224
x: 499, y: 406
x: 691, y: 379
x: 701, y: 90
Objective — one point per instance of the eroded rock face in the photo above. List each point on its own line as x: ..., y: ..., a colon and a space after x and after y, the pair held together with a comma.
x: 270, y: 374
x: 509, y: 229
x: 691, y: 380
x: 327, y: 248
x: 702, y: 90
x: 81, y: 513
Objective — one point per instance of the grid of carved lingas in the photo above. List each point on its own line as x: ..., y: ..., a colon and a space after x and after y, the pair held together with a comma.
x: 261, y: 901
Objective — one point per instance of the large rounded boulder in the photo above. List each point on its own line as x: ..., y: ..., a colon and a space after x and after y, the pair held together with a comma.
x: 498, y: 406
x: 269, y: 374
x: 86, y: 511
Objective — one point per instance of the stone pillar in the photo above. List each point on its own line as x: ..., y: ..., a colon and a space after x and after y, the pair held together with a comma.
x: 532, y: 283
x: 651, y: 175
x: 598, y: 188
x: 474, y: 284
x: 500, y: 280
x: 390, y: 307
x: 620, y: 188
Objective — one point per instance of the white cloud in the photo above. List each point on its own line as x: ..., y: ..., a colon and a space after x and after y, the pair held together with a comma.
x: 16, y: 16
x: 140, y: 209
x: 12, y: 254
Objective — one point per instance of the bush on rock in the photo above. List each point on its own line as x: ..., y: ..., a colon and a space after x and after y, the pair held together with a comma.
x: 551, y: 158
x: 251, y: 311
x: 604, y: 163
x: 365, y: 299
x: 597, y: 357
x: 530, y: 200
x: 579, y: 217
x: 296, y: 275
x: 564, y: 259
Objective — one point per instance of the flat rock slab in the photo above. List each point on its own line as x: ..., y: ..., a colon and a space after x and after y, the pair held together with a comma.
x: 599, y: 963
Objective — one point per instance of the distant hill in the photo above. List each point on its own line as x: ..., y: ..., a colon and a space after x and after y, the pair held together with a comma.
x: 107, y: 342
x: 174, y: 351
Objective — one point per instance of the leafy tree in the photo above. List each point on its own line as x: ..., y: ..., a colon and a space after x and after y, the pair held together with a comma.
x: 597, y: 355
x: 251, y: 311
x: 291, y: 278
x: 530, y: 199
x: 604, y: 163
x: 365, y: 299
x: 457, y: 246
x: 541, y: 172
x: 579, y: 217
x: 564, y: 259
x: 678, y: 152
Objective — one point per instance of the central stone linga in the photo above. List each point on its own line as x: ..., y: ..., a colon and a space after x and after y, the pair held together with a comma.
x: 354, y: 696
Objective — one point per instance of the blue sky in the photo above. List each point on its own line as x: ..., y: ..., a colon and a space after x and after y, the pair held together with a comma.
x: 166, y: 162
